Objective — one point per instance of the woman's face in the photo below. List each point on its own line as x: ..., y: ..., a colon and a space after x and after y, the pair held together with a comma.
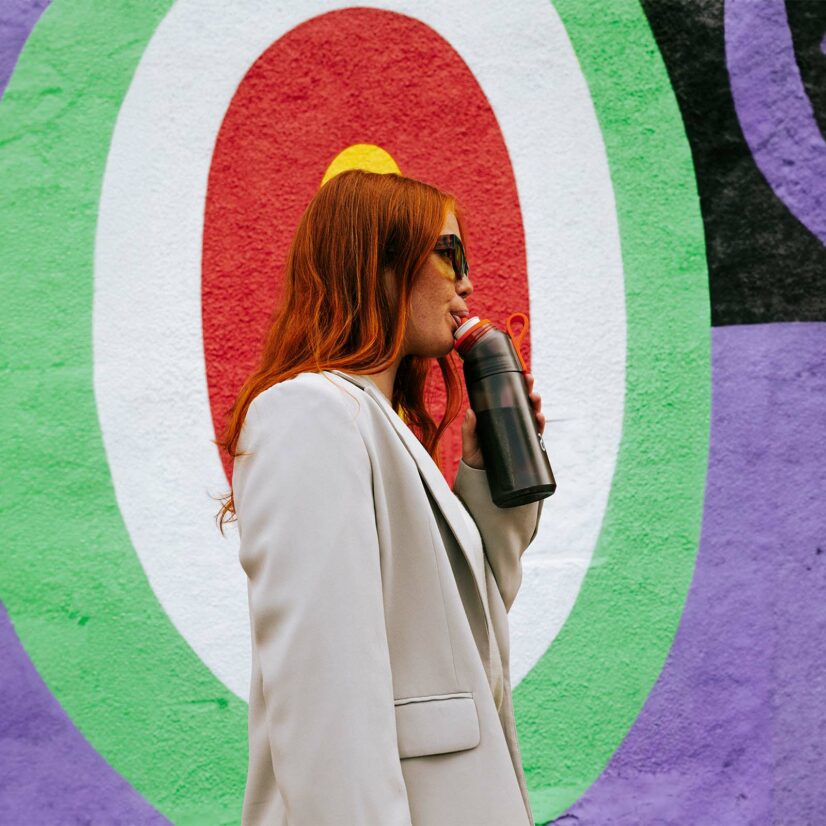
x: 435, y: 295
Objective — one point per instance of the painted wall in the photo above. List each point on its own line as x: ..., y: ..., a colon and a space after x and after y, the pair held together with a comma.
x: 646, y: 180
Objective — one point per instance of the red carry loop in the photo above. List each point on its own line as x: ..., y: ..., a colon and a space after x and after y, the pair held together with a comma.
x: 517, y: 342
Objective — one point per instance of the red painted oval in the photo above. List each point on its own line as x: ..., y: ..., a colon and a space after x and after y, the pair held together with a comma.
x: 350, y: 76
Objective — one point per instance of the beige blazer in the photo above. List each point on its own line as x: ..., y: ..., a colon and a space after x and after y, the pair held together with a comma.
x: 373, y: 621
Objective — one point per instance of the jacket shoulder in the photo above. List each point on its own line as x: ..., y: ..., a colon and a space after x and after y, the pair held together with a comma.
x: 294, y: 423
x: 305, y: 392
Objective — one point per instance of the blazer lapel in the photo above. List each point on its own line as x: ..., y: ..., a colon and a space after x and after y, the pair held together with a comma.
x: 436, y: 483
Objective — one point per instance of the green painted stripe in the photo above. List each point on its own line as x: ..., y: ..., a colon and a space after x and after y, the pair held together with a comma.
x: 581, y: 699
x: 70, y: 578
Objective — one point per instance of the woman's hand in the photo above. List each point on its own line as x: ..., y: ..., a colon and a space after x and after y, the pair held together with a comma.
x: 471, y: 452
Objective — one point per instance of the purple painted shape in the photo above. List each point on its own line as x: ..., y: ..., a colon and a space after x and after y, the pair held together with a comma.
x: 17, y: 19
x: 733, y: 732
x: 774, y: 111
x: 50, y: 773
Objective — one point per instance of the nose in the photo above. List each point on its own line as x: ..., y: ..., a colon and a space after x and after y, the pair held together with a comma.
x: 464, y: 287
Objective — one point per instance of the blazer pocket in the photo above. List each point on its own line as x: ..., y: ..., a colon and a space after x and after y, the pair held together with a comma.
x: 436, y: 724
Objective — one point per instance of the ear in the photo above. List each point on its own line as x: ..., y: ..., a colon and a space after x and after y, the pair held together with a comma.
x: 391, y: 282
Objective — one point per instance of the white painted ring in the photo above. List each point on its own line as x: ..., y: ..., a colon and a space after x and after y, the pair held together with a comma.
x: 149, y: 369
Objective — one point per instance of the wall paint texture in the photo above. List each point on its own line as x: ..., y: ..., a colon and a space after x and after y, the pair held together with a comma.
x: 644, y: 179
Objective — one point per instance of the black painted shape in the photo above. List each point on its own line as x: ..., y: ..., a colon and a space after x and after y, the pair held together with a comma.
x: 764, y: 265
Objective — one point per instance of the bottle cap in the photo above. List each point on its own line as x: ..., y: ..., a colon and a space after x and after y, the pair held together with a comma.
x: 463, y: 328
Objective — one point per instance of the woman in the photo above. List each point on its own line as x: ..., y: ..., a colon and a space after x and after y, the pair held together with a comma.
x: 378, y: 598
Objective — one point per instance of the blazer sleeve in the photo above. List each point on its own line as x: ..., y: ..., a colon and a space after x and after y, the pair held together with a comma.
x: 506, y: 532
x: 310, y: 549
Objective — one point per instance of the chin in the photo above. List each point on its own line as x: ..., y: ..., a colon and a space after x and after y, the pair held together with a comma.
x: 436, y: 349
x: 435, y: 346
x: 449, y: 346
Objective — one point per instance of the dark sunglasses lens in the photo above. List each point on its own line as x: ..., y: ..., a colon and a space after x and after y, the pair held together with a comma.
x: 459, y: 260
x: 457, y: 255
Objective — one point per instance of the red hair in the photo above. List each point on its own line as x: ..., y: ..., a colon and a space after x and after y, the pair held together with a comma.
x: 357, y: 225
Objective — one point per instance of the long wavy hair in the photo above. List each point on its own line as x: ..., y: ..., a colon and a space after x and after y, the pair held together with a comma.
x: 358, y: 225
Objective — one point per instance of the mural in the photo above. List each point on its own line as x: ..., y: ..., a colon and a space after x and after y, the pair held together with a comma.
x: 644, y: 179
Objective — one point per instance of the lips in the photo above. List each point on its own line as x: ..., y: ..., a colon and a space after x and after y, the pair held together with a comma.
x: 458, y: 319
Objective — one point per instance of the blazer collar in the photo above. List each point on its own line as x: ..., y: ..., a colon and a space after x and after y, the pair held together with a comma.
x: 436, y: 483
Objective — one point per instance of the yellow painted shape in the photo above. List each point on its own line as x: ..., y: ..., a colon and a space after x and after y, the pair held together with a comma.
x: 366, y: 156
x: 370, y: 158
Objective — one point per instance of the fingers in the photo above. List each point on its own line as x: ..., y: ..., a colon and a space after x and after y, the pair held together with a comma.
x: 536, y: 400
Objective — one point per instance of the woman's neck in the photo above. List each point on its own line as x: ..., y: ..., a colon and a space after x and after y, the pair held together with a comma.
x: 385, y: 380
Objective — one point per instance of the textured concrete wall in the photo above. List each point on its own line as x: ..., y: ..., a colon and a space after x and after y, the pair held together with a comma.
x: 645, y: 180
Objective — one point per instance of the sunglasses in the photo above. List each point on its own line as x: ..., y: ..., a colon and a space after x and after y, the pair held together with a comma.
x: 453, y: 245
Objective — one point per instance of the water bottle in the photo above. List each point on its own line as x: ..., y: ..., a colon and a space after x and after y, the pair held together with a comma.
x: 516, y: 461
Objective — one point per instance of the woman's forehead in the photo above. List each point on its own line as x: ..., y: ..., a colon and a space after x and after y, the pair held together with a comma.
x: 451, y: 225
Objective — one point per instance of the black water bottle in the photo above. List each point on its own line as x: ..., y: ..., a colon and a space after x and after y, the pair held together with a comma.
x: 516, y: 461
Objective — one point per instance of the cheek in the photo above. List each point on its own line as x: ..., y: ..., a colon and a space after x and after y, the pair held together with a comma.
x: 429, y: 303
